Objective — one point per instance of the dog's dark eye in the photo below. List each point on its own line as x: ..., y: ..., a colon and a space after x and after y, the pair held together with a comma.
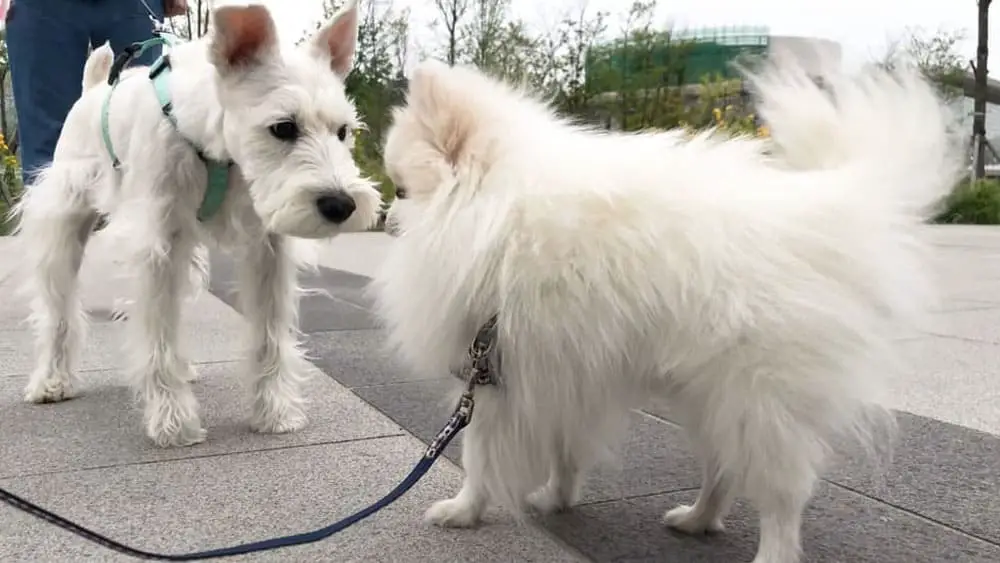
x: 286, y: 130
x: 342, y: 132
x: 400, y: 192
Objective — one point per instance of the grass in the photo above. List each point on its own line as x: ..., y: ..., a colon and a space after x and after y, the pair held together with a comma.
x: 972, y: 203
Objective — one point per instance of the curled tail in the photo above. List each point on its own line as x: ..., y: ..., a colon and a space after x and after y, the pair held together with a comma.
x: 98, y: 66
x: 888, y: 128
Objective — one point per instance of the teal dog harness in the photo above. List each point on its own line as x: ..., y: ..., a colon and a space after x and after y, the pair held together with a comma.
x: 159, y: 75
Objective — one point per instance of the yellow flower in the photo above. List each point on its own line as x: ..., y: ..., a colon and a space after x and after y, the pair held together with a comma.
x: 717, y: 113
x: 763, y: 131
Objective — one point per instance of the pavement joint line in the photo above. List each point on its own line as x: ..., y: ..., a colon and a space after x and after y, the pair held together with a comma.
x: 396, y: 382
x: 915, y: 514
x: 639, y: 496
x: 375, y: 437
x: 325, y: 330
x: 307, y: 293
x: 117, y: 368
x: 962, y: 338
x: 659, y: 418
x: 376, y: 329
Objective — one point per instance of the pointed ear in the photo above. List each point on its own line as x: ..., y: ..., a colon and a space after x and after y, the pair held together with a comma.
x: 443, y: 109
x: 244, y: 36
x: 336, y: 41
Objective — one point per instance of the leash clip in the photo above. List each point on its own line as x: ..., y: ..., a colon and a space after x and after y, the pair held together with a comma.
x: 459, y: 420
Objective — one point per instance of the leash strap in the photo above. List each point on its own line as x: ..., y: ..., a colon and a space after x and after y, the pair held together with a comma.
x: 459, y: 419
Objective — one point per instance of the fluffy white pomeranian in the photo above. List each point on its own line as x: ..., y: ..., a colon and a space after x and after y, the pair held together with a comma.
x: 755, y: 287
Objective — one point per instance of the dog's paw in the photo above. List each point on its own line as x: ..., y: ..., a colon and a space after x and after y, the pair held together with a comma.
x: 277, y: 416
x: 548, y: 500
x: 172, y: 420
x: 684, y: 518
x: 190, y: 374
x: 119, y: 310
x: 453, y: 513
x: 51, y: 389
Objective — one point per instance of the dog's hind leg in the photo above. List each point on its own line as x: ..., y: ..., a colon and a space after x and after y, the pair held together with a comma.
x: 767, y: 449
x: 269, y: 301
x: 714, y: 500
x: 563, y: 487
x: 160, y: 375
x: 55, y: 222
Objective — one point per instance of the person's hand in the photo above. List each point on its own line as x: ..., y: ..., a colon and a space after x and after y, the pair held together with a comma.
x: 173, y: 8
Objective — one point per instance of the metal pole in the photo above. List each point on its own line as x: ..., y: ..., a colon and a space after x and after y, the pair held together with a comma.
x: 979, y: 108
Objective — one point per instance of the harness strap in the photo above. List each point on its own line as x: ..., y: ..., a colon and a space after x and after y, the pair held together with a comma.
x: 130, y: 53
x: 159, y: 73
x: 218, y: 172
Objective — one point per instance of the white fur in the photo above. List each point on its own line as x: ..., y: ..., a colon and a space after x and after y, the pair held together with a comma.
x: 757, y: 295
x: 226, y: 90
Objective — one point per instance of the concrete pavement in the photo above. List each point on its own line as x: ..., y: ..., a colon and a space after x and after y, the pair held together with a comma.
x: 87, y: 458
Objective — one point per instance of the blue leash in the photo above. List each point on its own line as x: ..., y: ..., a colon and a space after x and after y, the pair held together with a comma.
x: 481, y: 369
x: 458, y: 421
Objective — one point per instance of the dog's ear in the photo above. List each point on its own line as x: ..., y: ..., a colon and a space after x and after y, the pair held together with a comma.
x: 336, y: 41
x: 245, y: 36
x: 442, y: 108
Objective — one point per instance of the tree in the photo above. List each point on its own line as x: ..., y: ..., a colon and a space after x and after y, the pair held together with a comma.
x: 195, y: 23
x: 483, y: 37
x: 399, y: 32
x: 556, y: 59
x: 935, y: 54
x: 452, y: 14
x: 577, y: 36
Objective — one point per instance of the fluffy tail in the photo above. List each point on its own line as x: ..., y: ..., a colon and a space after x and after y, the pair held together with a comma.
x: 889, y: 126
x: 98, y: 66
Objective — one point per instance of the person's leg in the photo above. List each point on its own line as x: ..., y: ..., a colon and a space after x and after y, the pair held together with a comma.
x: 123, y: 22
x: 47, y: 47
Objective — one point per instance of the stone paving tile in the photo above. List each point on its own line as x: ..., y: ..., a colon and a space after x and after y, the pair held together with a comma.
x: 838, y: 527
x: 944, y: 472
x: 103, y: 427
x: 209, y: 502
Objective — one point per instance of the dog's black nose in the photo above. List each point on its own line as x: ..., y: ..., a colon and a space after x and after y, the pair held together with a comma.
x: 335, y: 207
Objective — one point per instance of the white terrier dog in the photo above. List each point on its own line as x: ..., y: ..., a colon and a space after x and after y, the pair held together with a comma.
x: 756, y: 295
x: 282, y: 118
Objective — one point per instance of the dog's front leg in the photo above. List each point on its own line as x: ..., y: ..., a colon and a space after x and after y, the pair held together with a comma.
x: 269, y: 301
x: 160, y: 375
x: 466, y: 508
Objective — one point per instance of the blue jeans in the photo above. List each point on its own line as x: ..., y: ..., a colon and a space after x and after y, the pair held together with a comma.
x: 47, y: 43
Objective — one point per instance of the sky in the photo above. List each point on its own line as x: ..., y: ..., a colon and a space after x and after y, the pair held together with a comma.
x: 863, y: 28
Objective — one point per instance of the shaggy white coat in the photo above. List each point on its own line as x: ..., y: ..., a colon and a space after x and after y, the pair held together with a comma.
x: 228, y: 90
x: 758, y: 296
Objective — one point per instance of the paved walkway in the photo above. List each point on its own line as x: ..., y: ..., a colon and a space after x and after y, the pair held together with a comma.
x: 87, y: 458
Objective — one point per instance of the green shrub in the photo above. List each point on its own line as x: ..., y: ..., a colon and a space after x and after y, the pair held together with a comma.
x: 972, y: 203
x: 10, y: 185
